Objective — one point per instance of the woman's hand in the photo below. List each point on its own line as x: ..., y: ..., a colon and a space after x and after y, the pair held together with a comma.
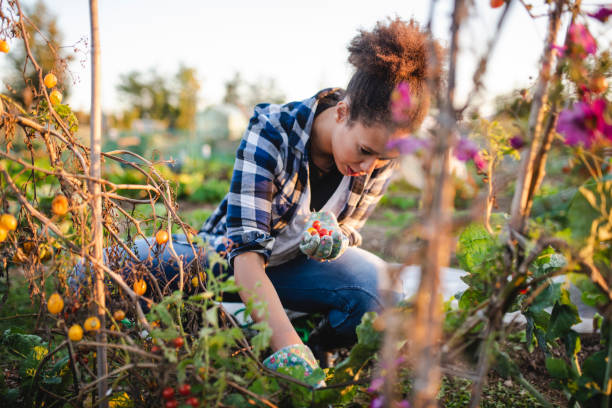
x: 294, y: 355
x: 323, y: 239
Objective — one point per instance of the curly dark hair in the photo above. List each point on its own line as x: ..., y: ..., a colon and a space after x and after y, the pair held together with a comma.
x: 393, y: 52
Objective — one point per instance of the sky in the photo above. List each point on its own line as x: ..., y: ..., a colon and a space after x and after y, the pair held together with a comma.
x: 302, y: 46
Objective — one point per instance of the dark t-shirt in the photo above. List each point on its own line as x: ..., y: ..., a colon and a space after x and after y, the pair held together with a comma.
x: 324, y: 183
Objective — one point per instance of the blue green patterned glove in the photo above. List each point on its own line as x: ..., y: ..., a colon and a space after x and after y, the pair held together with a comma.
x: 323, y: 239
x: 294, y: 355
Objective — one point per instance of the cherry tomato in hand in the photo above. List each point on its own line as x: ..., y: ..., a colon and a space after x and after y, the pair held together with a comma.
x: 316, y: 224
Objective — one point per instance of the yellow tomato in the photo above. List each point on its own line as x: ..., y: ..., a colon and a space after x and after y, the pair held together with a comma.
x: 92, y: 324
x: 50, y: 80
x: 161, y: 237
x: 75, y: 333
x: 599, y: 84
x: 59, y: 205
x: 3, y: 234
x: 55, y: 304
x: 140, y: 287
x: 8, y: 222
x: 55, y: 97
x: 194, y: 281
x: 119, y: 315
x: 4, y: 47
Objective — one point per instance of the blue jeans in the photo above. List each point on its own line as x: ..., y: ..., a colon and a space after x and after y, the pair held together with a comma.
x: 343, y: 289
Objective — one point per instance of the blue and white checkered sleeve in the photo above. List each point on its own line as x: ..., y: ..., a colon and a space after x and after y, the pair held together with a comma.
x: 252, y: 188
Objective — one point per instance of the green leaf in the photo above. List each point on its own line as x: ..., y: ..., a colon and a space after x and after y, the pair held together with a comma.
x: 262, y: 339
x: 504, y: 365
x: 166, y: 334
x: 546, y: 298
x: 581, y: 213
x: 562, y: 318
x: 366, y: 334
x: 52, y: 380
x: 594, y: 366
x: 474, y: 247
x: 557, y: 368
x: 236, y: 400
x: 162, y: 314
x: 470, y: 299
x: 19, y: 343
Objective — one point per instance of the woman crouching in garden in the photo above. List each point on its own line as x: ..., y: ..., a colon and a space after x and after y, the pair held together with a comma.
x: 307, y: 176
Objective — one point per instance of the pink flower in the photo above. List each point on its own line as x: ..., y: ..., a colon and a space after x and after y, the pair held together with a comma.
x: 404, y: 404
x: 480, y: 162
x: 584, y: 123
x: 407, y: 145
x: 517, y: 142
x: 602, y: 14
x: 400, y: 102
x: 582, y: 41
x: 560, y: 49
x: 376, y: 384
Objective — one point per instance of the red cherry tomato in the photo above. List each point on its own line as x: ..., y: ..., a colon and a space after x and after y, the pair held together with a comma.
x: 316, y: 224
x: 155, y: 349
x: 178, y: 342
x: 322, y: 232
x: 193, y: 401
x: 185, y: 389
x: 330, y: 232
x: 168, y: 393
x: 172, y: 404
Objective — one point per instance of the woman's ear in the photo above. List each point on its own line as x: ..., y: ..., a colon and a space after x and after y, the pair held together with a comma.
x: 342, y: 111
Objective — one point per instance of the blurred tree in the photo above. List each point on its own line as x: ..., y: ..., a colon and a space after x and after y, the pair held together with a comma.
x: 246, y: 95
x: 153, y: 96
x: 48, y: 49
x: 188, y: 87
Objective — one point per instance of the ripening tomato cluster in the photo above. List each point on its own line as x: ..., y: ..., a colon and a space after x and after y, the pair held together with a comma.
x: 55, y: 304
x: 184, y: 390
x: 50, y: 81
x: 316, y: 229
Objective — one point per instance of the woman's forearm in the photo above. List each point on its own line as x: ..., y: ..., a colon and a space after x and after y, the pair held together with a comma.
x: 249, y: 270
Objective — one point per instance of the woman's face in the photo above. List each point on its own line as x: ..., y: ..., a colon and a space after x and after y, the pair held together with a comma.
x: 359, y: 149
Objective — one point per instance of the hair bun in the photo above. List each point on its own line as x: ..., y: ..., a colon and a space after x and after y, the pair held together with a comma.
x: 393, y: 50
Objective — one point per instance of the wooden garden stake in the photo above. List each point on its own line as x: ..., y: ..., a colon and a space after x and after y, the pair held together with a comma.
x: 96, y: 203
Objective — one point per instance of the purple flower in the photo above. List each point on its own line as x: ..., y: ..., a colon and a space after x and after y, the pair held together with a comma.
x: 404, y: 404
x: 401, y: 102
x: 582, y: 41
x: 517, y: 142
x: 465, y: 149
x: 584, y: 123
x: 407, y: 145
x: 376, y: 384
x: 602, y: 14
x: 377, y: 402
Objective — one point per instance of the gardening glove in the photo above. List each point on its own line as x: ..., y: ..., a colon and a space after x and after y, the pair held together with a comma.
x: 294, y: 355
x: 323, y: 239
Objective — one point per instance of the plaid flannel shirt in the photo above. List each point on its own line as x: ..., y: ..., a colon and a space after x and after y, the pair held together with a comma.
x: 271, y: 174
